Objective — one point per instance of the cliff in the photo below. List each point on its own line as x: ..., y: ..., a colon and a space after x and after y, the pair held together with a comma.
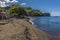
x: 19, y: 29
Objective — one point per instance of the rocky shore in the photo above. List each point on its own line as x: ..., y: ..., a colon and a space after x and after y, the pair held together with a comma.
x: 20, y: 29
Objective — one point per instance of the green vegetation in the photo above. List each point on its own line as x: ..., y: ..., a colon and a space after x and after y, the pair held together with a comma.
x: 18, y: 10
x: 46, y: 14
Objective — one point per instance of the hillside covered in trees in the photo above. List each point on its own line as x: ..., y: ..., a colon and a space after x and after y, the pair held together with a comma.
x: 18, y: 10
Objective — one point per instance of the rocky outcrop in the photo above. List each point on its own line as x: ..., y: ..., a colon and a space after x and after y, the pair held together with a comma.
x: 20, y: 29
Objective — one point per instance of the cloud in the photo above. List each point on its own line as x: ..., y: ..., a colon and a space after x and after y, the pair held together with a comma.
x: 55, y: 13
x: 3, y: 3
x: 11, y: 1
x: 7, y: 1
x: 14, y: 1
x: 23, y: 3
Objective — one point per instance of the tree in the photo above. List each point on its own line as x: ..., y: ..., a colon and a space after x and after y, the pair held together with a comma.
x: 46, y: 14
x: 17, y: 10
x: 36, y: 13
x: 0, y: 9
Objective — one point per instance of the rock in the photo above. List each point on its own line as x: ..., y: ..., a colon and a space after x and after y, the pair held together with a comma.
x: 20, y: 29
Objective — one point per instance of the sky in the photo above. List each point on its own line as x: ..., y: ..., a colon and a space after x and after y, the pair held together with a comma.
x: 52, y: 6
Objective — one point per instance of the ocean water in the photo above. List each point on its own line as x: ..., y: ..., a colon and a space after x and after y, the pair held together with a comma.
x: 50, y: 25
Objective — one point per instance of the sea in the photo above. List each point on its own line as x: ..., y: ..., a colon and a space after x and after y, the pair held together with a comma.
x: 50, y: 25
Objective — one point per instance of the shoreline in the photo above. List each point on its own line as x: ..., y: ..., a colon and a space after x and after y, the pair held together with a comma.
x: 20, y: 29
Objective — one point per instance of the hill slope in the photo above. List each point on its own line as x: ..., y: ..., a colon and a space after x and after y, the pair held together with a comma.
x: 21, y: 30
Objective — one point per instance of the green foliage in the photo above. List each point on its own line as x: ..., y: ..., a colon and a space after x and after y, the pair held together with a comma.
x: 17, y: 10
x: 1, y: 9
x: 46, y: 14
x: 36, y: 12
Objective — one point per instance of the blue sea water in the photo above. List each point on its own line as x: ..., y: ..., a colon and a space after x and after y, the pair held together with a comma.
x: 50, y: 25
